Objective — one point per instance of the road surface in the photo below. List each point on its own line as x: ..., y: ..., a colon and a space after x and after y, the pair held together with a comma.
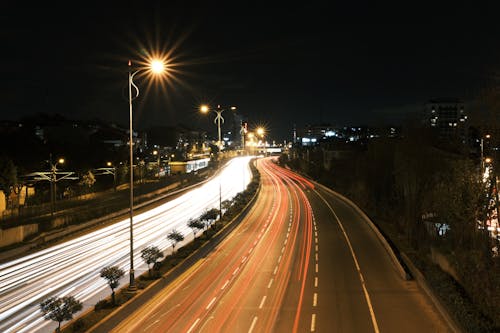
x: 72, y: 267
x: 302, y: 260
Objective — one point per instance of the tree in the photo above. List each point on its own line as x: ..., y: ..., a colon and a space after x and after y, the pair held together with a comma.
x: 226, y: 204
x: 88, y: 180
x: 112, y: 274
x: 195, y: 225
x: 150, y: 255
x: 60, y: 309
x: 174, y: 236
x: 209, y: 216
x: 8, y: 175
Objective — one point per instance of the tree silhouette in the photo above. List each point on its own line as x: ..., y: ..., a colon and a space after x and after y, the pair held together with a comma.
x: 112, y: 274
x: 60, y: 309
x: 175, y: 237
x: 150, y: 255
x: 195, y: 225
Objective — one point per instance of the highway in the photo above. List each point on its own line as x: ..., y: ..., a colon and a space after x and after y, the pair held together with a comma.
x: 72, y: 267
x: 303, y: 260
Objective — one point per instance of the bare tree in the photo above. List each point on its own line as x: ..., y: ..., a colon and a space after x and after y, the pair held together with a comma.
x: 150, y: 255
x: 112, y: 274
x: 195, y: 225
x: 60, y: 309
x: 174, y: 236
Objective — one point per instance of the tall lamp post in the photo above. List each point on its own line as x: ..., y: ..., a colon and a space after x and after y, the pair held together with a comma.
x: 217, y: 120
x: 156, y: 67
x: 53, y: 180
x: 261, y: 132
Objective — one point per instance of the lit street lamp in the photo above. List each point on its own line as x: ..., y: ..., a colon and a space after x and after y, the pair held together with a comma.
x: 261, y: 132
x: 156, y: 67
x: 53, y: 180
x: 217, y: 120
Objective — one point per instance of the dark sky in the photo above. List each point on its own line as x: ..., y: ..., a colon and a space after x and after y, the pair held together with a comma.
x: 280, y: 64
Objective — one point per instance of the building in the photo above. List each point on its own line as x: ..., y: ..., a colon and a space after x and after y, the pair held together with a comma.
x: 447, y: 118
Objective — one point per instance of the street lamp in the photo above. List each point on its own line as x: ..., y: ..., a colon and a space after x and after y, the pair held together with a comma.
x: 53, y: 180
x: 157, y: 153
x: 487, y: 136
x: 217, y: 120
x: 156, y: 67
x: 261, y: 132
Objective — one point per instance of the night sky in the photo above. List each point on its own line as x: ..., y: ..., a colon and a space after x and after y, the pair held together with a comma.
x: 318, y: 62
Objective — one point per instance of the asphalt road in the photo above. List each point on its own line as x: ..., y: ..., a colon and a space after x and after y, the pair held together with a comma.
x: 302, y: 260
x: 72, y: 267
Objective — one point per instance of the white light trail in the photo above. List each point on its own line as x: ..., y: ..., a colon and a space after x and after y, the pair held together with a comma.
x: 72, y: 267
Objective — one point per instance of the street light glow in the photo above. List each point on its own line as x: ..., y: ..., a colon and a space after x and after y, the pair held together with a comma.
x: 157, y: 66
x: 204, y: 108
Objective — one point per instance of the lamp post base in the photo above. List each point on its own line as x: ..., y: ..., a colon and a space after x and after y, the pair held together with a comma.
x: 132, y: 286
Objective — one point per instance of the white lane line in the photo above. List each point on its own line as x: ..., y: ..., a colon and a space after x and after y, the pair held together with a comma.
x: 358, y: 268
x: 210, y: 304
x: 316, y: 282
x: 236, y: 270
x: 224, y: 285
x: 270, y: 283
x: 254, y: 321
x: 315, y: 299
x: 193, y: 326
x: 316, y: 256
x: 316, y: 268
x: 275, y: 270
x: 279, y: 259
x: 317, y: 248
x: 316, y: 240
x: 250, y: 251
x: 262, y: 302
x: 244, y: 259
x: 313, y: 322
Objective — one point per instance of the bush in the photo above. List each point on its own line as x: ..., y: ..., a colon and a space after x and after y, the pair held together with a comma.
x: 103, y: 304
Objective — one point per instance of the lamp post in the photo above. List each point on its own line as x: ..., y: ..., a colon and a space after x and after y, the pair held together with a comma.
x: 217, y: 120
x: 155, y: 66
x: 53, y: 180
x: 487, y: 136
x: 261, y: 132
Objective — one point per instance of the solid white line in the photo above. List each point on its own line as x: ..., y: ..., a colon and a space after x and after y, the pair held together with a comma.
x: 270, y: 283
x: 262, y: 302
x: 313, y: 322
x: 210, y: 304
x: 193, y: 326
x: 254, y: 321
x: 355, y: 259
